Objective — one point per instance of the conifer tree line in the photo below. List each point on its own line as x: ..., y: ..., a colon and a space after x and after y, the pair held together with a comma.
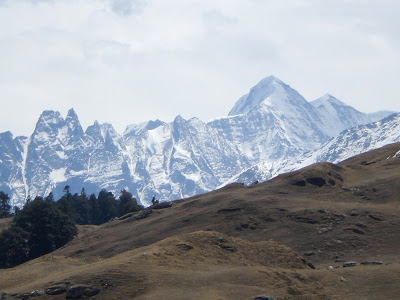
x: 83, y: 209
x: 44, y: 225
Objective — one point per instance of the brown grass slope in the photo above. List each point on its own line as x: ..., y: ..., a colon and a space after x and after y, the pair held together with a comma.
x: 239, y: 242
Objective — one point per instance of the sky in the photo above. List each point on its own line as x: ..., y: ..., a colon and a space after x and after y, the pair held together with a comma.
x: 129, y: 61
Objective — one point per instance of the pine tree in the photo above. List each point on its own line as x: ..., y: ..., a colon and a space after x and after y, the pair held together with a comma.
x: 48, y: 228
x: 38, y: 229
x: 4, y: 205
x: 94, y: 210
x: 127, y: 203
x: 108, y: 208
x: 13, y: 247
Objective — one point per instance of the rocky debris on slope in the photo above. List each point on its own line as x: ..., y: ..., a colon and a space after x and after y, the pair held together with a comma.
x: 125, y: 216
x: 73, y: 292
x: 144, y: 214
x: 353, y: 264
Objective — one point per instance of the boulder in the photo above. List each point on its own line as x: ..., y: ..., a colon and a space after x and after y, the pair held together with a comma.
x: 56, y: 290
x: 361, y: 225
x: 349, y: 264
x: 185, y: 247
x: 262, y: 297
x: 355, y: 230
x: 311, y: 265
x: 299, y: 277
x: 228, y: 248
x: 78, y: 291
x: 144, y: 214
x: 376, y: 218
x: 125, y: 216
x: 37, y: 293
x: 303, y: 219
x: 371, y: 262
x: 91, y: 292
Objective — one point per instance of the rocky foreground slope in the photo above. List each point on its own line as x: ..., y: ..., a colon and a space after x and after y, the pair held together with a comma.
x: 288, y: 238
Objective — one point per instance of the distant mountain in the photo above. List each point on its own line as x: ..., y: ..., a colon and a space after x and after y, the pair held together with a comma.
x: 267, y: 128
x: 379, y: 115
x: 338, y: 116
x: 272, y: 122
x: 349, y: 143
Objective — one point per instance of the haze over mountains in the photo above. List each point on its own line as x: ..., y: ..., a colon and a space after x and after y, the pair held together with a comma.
x: 267, y: 128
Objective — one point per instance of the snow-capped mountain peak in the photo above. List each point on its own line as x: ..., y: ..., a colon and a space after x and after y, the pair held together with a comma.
x: 73, y: 123
x: 48, y: 120
x: 327, y: 99
x: 271, y: 91
x: 135, y: 129
x: 337, y: 115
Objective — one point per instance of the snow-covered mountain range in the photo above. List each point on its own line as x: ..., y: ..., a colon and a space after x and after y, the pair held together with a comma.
x: 347, y: 144
x: 268, y: 131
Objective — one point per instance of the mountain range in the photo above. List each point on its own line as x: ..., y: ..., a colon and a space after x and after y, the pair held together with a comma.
x: 270, y: 130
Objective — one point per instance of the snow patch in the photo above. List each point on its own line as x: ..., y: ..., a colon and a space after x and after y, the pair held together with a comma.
x: 62, y: 133
x: 77, y: 173
x: 58, y: 175
x: 61, y: 154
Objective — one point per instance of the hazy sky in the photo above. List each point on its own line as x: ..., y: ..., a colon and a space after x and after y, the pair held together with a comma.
x: 128, y: 61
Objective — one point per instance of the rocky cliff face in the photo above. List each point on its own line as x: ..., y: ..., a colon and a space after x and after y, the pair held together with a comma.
x: 266, y: 129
